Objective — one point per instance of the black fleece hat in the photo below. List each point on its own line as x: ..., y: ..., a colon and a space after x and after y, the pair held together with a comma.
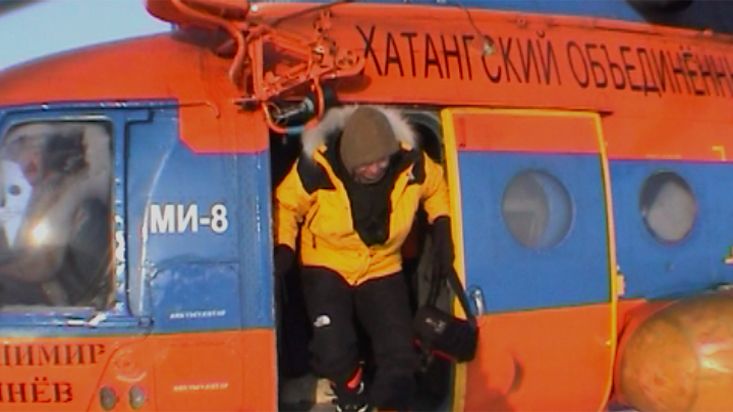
x: 367, y: 137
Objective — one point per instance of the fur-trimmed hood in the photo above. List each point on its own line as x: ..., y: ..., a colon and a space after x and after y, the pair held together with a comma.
x: 335, y: 119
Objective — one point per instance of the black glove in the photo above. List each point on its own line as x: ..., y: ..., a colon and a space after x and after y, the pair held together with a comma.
x: 443, y: 254
x: 283, y: 259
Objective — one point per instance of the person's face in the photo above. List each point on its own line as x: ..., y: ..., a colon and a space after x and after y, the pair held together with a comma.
x: 30, y: 159
x: 371, y: 172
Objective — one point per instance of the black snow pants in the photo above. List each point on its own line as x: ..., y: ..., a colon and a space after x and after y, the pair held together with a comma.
x: 382, y: 308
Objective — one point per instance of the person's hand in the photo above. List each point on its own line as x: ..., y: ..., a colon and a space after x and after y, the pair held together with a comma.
x: 283, y: 260
x: 443, y: 254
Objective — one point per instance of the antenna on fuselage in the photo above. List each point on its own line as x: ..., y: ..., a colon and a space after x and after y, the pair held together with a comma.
x: 487, y: 45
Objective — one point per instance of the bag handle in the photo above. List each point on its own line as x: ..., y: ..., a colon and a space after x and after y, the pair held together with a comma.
x: 455, y: 284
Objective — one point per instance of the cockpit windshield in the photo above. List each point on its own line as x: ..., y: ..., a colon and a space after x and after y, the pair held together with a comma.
x: 55, y: 214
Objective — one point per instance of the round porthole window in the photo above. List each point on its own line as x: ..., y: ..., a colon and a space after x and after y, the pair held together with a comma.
x: 668, y: 206
x: 537, y: 209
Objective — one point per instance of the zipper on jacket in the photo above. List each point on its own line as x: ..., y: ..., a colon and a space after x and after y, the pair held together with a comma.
x: 308, y: 224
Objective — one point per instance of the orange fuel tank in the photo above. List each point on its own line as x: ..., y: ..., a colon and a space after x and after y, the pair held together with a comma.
x: 680, y: 357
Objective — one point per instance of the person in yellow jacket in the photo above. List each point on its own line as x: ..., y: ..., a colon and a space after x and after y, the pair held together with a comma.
x: 353, y: 195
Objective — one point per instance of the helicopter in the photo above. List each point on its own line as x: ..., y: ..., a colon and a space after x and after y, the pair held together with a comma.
x: 586, y: 149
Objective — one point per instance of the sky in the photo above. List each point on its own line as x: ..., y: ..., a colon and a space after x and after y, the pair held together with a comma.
x: 49, y: 26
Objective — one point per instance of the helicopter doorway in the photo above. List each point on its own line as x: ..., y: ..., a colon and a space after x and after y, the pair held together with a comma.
x: 299, y: 389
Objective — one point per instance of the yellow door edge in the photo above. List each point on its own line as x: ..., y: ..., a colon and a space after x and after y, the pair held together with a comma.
x: 454, y: 190
x: 614, y: 278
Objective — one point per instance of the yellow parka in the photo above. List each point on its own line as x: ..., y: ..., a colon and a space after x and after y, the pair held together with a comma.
x: 313, y: 198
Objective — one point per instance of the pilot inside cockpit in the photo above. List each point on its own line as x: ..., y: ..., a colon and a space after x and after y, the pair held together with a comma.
x: 55, y: 230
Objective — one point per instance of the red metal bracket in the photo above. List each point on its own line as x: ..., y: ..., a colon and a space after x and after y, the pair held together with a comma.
x: 310, y: 60
x: 316, y: 59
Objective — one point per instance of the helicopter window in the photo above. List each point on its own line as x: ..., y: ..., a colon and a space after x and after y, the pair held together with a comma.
x: 668, y: 206
x: 537, y: 209
x: 55, y: 215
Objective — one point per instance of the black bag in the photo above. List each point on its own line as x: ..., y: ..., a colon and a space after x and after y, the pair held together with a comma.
x: 440, y: 333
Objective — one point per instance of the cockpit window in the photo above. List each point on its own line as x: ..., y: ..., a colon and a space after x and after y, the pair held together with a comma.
x: 55, y: 221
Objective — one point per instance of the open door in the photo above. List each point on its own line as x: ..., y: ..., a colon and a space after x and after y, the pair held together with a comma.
x: 532, y: 203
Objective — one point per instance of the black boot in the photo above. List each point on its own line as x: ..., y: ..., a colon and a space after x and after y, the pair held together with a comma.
x: 350, y: 400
